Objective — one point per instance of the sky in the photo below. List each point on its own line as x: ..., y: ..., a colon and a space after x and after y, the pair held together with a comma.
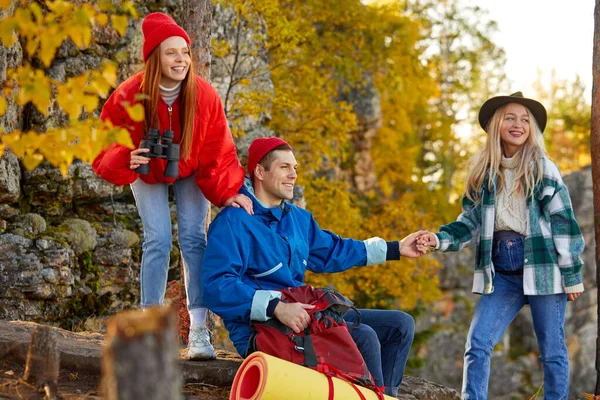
x: 544, y: 35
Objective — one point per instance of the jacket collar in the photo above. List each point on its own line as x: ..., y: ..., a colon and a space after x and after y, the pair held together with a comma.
x: 259, y: 208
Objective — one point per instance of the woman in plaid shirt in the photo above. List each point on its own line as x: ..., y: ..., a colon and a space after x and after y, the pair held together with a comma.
x: 518, y: 213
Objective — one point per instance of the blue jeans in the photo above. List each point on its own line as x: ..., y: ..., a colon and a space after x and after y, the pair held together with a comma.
x: 153, y: 206
x: 494, y: 313
x: 383, y: 338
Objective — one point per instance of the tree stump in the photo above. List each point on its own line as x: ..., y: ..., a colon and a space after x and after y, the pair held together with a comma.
x: 43, y: 361
x: 140, y: 356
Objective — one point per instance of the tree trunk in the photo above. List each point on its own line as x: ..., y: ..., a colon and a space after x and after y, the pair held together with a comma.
x: 43, y: 361
x: 195, y: 16
x: 595, y: 149
x: 140, y: 356
x: 196, y: 19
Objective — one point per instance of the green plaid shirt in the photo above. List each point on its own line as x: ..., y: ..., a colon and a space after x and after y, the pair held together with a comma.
x: 553, y: 244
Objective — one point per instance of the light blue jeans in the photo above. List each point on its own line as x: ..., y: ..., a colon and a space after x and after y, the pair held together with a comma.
x: 493, y: 314
x: 153, y: 206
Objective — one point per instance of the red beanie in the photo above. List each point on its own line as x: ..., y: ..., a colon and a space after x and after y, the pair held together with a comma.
x: 259, y: 148
x: 158, y: 27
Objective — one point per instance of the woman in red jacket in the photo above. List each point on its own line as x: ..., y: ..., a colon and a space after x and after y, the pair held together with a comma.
x: 174, y: 99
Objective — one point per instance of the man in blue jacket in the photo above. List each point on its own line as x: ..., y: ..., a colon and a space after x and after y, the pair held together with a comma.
x: 249, y: 257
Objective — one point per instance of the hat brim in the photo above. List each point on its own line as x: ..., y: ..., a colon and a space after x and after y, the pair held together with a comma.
x: 490, y: 106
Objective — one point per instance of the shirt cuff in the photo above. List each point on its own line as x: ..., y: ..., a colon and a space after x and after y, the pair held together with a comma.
x: 575, y: 289
x: 376, y: 250
x: 437, y: 242
x: 271, y: 307
x: 393, y: 250
x: 260, y: 303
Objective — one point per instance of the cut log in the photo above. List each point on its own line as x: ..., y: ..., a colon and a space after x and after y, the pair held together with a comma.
x: 43, y: 358
x: 140, y: 356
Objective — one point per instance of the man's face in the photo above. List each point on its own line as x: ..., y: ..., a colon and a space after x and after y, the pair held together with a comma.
x: 278, y: 182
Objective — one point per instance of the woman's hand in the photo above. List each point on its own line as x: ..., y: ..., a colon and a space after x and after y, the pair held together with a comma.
x: 573, y: 296
x: 240, y: 200
x: 427, y: 239
x: 137, y: 160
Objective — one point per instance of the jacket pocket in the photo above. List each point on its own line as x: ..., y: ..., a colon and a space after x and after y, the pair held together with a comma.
x: 269, y: 272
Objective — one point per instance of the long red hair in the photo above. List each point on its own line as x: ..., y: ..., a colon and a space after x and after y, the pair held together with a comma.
x: 149, y: 88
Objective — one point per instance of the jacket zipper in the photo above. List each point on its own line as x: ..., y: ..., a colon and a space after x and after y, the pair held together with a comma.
x: 170, y: 109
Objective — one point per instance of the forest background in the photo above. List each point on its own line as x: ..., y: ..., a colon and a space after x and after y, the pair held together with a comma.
x: 369, y: 94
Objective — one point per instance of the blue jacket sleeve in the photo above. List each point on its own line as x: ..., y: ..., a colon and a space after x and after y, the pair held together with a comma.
x: 221, y: 274
x: 330, y: 253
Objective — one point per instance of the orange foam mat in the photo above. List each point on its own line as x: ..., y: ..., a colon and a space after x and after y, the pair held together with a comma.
x: 265, y: 377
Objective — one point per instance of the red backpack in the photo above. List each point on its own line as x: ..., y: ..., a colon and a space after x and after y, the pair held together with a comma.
x: 325, y: 345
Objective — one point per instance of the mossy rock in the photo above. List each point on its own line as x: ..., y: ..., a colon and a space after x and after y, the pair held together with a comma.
x: 29, y: 225
x: 78, y: 233
x: 122, y: 238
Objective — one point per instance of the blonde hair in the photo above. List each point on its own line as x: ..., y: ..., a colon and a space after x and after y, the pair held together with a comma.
x: 484, y: 167
x: 149, y: 87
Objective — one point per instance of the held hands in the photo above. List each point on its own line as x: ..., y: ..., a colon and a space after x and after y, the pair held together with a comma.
x: 137, y: 160
x: 417, y: 244
x: 427, y: 239
x: 293, y: 315
x: 240, y: 200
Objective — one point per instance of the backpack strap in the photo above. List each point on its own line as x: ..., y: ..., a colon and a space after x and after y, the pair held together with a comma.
x: 310, y: 356
x: 331, y: 390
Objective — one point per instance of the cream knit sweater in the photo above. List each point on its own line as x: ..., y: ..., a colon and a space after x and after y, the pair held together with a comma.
x: 511, y: 208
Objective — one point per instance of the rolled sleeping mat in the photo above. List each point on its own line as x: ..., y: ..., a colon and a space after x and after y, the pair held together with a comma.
x: 265, y: 377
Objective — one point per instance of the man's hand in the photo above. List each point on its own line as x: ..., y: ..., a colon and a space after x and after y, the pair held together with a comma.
x: 573, y: 296
x: 409, y: 246
x: 293, y: 315
x: 240, y: 200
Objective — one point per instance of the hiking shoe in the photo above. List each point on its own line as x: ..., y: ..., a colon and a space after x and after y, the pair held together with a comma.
x: 199, y: 347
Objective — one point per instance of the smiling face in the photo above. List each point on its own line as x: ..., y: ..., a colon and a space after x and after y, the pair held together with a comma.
x: 514, y: 130
x: 276, y: 182
x: 174, y: 60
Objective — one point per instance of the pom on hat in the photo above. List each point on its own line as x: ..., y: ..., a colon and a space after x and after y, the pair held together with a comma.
x: 259, y: 148
x: 156, y: 28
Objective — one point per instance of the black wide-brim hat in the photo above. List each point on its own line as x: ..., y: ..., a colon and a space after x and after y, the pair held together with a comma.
x: 490, y: 106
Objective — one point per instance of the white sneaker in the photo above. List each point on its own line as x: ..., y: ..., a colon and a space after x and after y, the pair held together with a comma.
x: 199, y: 347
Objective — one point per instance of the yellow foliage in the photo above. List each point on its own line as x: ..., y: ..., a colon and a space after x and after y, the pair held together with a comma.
x: 323, y: 58
x: 43, y: 32
x: 119, y: 22
x: 5, y: 4
x: 136, y: 112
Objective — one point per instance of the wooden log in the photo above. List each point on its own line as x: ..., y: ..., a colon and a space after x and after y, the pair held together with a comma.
x: 43, y: 358
x: 140, y: 356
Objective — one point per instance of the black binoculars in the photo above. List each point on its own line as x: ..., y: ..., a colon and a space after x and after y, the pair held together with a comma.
x: 160, y: 147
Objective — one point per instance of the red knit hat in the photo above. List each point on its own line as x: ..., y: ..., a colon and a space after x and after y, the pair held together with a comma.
x: 158, y: 27
x: 259, y: 148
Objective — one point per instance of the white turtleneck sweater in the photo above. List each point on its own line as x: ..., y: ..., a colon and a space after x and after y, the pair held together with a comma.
x: 169, y: 95
x: 511, y: 208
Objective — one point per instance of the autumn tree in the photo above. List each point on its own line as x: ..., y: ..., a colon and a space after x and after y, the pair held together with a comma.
x: 326, y: 59
x: 40, y: 28
x: 567, y: 135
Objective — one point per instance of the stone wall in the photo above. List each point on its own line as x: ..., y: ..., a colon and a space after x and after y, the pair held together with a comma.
x: 516, y: 370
